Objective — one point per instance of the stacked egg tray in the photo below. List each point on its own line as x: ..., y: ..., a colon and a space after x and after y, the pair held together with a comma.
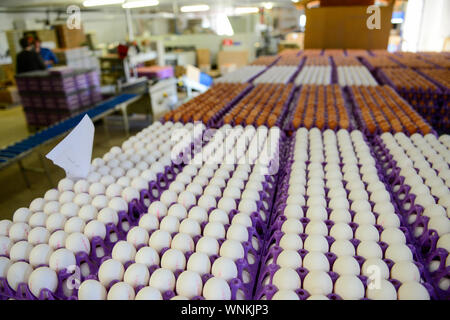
x: 210, y: 106
x: 289, y: 60
x: 314, y: 74
x: 265, y: 61
x: 242, y: 75
x: 380, y: 109
x: 373, y: 63
x: 278, y: 74
x: 412, y: 61
x: 250, y: 212
x: 108, y: 200
x: 424, y: 95
x: 266, y: 104
x: 319, y: 247
x: 306, y: 111
x: 416, y: 169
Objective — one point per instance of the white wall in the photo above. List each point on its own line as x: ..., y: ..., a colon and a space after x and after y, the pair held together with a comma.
x: 427, y: 24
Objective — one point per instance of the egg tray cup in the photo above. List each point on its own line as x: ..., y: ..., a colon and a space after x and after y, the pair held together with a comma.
x: 378, y: 131
x: 23, y: 292
x: 426, y: 242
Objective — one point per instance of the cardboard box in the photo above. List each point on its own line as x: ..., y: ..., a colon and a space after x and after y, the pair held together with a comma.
x: 203, y: 57
x: 9, y: 95
x: 328, y: 3
x: 68, y: 38
x: 229, y: 58
x: 346, y: 28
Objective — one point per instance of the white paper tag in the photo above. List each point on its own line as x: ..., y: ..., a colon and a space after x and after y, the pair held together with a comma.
x: 74, y: 153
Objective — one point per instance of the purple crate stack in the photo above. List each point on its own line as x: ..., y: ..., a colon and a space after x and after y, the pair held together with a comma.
x: 58, y: 93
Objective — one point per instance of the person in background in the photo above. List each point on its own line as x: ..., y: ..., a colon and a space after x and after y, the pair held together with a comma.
x: 47, y: 55
x: 28, y: 59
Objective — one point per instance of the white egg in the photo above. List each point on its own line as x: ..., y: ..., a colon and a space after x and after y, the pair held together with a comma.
x: 286, y: 279
x: 216, y: 289
x: 78, y: 242
x: 349, y: 287
x: 62, y: 259
x: 375, y: 268
x: 65, y: 184
x: 199, y: 262
x: 69, y: 209
x: 168, y: 197
x: 95, y: 228
x: 91, y: 290
x: 51, y: 195
x: 51, y: 207
x: 39, y: 203
x: 5, y: 225
x: 190, y: 226
x: 183, y: 242
x: 19, y: 231
x: 398, y: 252
x: 82, y: 199
x: 57, y: 240
x: 369, y: 249
x: 42, y: 278
x: 162, y: 280
x: 121, y: 291
x: 118, y: 204
x: 108, y: 215
x: 207, y: 245
x: 224, y: 268
x: 315, y: 260
x: 123, y: 252
x: 157, y: 209
x: 88, y: 213
x: 318, y: 283
x: 40, y: 255
x: 316, y: 242
x: 148, y: 293
x: 109, y: 271
x: 137, y: 275
x: 413, y: 291
x: 160, y: 239
x: 22, y: 215
x: 38, y: 235
x: 367, y: 232
x: 20, y: 251
x: 18, y: 273
x: 291, y: 242
x: 5, y: 263
x: 74, y: 224
x: 236, y: 232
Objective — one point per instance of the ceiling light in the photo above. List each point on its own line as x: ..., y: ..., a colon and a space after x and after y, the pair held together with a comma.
x: 244, y: 10
x: 195, y: 8
x: 94, y: 3
x: 140, y: 4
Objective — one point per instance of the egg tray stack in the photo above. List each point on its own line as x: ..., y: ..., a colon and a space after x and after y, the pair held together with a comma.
x: 242, y: 75
x: 380, y: 109
x: 440, y: 77
x: 268, y: 61
x: 422, y: 195
x: 373, y: 63
x: 333, y: 113
x: 100, y: 247
x: 265, y: 104
x: 412, y: 61
x: 424, y: 95
x: 350, y: 71
x: 242, y: 285
x: 210, y: 106
x: 439, y: 59
x: 289, y: 60
x: 295, y: 219
x: 278, y: 74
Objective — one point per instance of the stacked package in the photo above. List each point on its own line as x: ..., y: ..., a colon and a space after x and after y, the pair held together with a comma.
x: 50, y: 96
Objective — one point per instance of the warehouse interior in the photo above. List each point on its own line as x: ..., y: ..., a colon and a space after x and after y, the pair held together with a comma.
x: 225, y: 150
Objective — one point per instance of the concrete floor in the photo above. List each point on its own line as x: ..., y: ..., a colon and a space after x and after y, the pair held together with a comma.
x: 13, y: 190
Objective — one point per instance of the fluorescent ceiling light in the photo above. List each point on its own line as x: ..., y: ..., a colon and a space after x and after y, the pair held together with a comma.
x: 195, y: 8
x: 268, y: 5
x: 94, y: 3
x: 244, y: 10
x: 140, y: 4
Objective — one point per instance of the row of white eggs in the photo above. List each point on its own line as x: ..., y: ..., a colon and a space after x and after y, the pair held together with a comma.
x: 319, y: 75
x: 43, y: 212
x: 176, y: 219
x: 355, y: 75
x: 277, y: 74
x: 241, y: 75
x: 348, y: 286
x: 438, y: 213
x: 346, y: 265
